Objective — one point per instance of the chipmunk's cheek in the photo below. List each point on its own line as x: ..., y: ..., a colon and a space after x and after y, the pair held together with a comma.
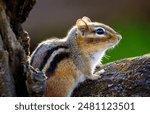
x: 89, y: 40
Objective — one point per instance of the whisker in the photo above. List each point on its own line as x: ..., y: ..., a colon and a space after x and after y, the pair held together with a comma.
x: 107, y: 57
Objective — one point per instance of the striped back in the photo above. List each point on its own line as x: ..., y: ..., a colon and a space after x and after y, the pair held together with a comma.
x: 46, y: 58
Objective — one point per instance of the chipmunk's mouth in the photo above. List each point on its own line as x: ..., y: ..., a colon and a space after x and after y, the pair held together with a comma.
x: 115, y: 38
x: 119, y: 37
x: 114, y: 41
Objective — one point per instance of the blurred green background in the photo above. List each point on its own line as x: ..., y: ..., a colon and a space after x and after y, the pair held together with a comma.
x: 131, y: 18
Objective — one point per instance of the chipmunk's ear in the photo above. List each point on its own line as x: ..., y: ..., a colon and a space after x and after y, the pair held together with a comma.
x: 86, y: 19
x: 81, y: 24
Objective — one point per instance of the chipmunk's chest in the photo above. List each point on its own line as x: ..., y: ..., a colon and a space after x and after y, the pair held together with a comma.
x: 95, y: 58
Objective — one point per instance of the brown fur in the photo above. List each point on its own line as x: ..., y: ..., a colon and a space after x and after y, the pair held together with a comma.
x: 61, y: 81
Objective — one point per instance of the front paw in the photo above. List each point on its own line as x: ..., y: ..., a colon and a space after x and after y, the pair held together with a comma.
x: 100, y: 72
x: 97, y: 75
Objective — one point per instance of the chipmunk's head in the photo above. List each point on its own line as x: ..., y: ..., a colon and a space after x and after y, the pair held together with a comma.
x: 94, y: 36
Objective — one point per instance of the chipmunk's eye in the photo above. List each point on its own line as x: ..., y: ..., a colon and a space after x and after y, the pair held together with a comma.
x: 100, y: 31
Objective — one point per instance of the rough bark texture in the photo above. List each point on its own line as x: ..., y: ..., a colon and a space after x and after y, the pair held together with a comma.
x: 129, y: 77
x: 14, y: 47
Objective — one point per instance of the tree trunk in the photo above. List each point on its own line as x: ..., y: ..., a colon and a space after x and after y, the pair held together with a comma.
x: 129, y: 77
x: 14, y: 47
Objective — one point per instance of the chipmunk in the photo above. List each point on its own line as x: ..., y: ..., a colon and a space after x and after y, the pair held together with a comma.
x: 71, y: 60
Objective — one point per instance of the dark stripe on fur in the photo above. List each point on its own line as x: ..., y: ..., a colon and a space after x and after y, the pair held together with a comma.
x: 96, y: 40
x: 48, y: 54
x: 55, y: 62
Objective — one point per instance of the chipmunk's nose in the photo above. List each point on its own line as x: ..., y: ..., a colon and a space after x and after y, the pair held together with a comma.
x: 119, y: 36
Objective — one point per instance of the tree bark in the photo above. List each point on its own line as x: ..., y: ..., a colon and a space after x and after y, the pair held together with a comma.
x: 14, y: 49
x: 128, y: 77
